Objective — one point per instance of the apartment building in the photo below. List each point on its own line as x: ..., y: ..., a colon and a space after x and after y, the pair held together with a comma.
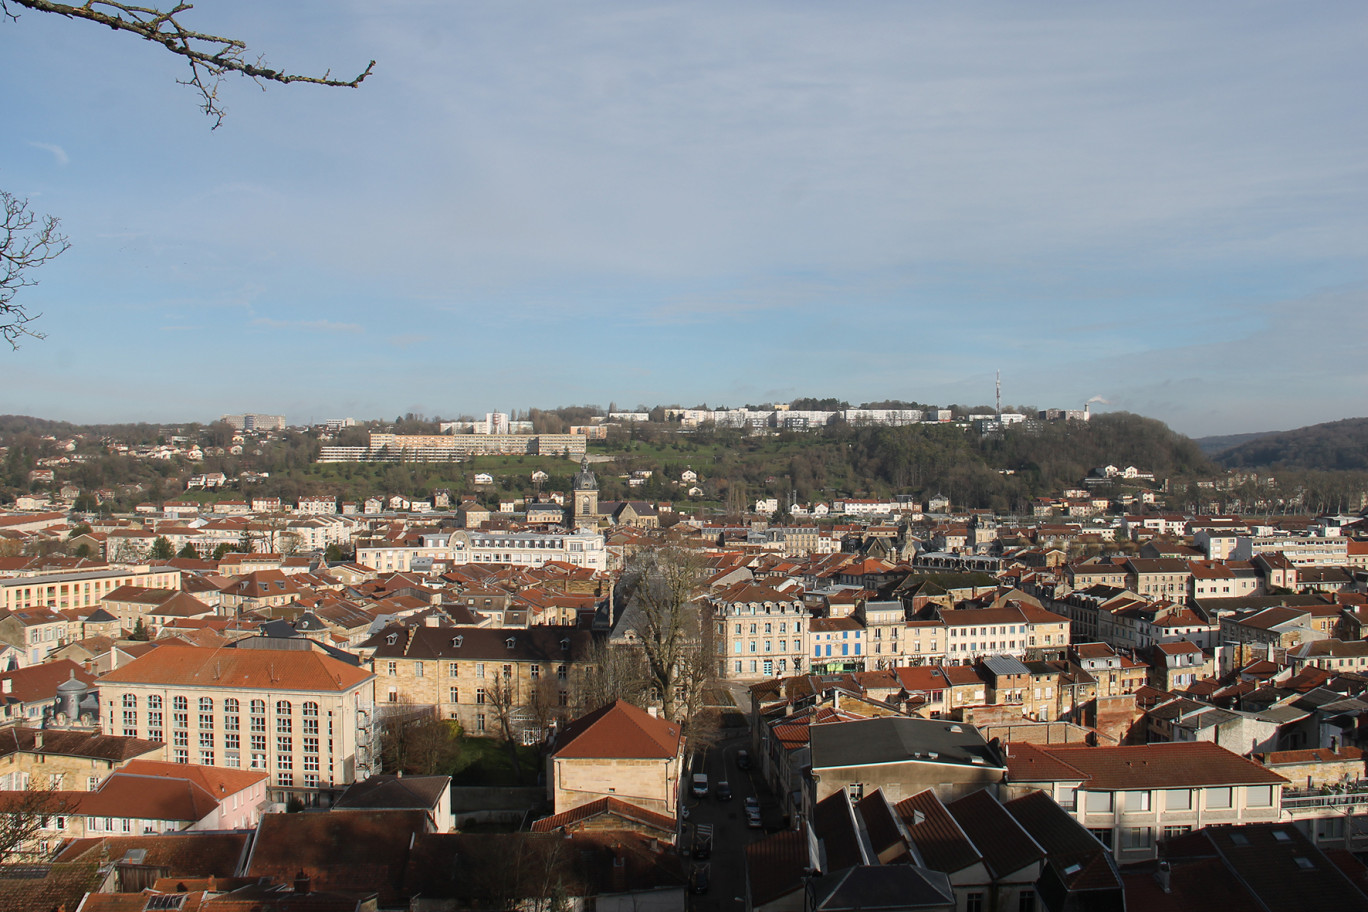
x: 305, y: 718
x: 760, y: 632
x: 81, y: 589
x: 1132, y: 796
x: 471, y: 674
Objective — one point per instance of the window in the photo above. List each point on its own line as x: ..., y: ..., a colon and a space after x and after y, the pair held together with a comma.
x: 1102, y: 835
x: 1137, y: 801
x: 1177, y: 799
x: 479, y: 670
x: 206, y: 758
x: 973, y: 902
x: 232, y: 741
x: 283, y: 721
x: 1218, y: 798
x: 206, y: 739
x: 560, y: 672
x: 180, y: 755
x: 535, y: 671
x: 1260, y: 796
x: 480, y: 723
x: 480, y: 697
x: 453, y: 669
x: 310, y: 718
x: 1098, y: 802
x: 284, y: 754
x: 417, y: 669
x: 392, y: 668
x: 1067, y: 796
x: 1172, y: 831
x: 1137, y: 837
x: 231, y: 705
x: 1026, y: 901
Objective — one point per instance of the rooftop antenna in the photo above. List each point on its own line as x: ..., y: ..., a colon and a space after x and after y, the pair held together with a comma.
x: 999, y: 395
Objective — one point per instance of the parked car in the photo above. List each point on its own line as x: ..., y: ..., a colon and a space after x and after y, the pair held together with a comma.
x: 743, y: 760
x: 724, y: 791
x: 752, y: 803
x: 698, y: 880
x: 700, y: 785
x: 702, y: 843
x: 753, y: 819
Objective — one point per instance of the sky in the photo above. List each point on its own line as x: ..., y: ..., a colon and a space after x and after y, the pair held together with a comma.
x: 544, y: 204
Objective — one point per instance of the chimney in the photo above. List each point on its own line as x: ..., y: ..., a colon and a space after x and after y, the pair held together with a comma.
x: 1165, y: 877
x: 301, y: 883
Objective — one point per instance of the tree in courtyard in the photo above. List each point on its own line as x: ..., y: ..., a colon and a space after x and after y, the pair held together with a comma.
x: 140, y: 632
x: 501, y: 697
x: 188, y: 551
x: 414, y: 739
x: 162, y: 548
x: 660, y: 588
x: 221, y: 549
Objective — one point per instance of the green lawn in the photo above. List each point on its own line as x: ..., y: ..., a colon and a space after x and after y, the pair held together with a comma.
x: 485, y: 761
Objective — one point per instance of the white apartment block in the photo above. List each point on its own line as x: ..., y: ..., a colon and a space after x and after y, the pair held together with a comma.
x: 303, y: 717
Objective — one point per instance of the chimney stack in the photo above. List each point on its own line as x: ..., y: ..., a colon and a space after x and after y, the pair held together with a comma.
x: 1165, y: 877
x: 301, y: 883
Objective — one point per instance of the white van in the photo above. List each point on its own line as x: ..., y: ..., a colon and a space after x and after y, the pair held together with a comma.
x: 700, y: 785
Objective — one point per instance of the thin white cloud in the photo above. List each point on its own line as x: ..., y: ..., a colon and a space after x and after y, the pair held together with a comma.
x: 58, y: 153
x: 320, y: 325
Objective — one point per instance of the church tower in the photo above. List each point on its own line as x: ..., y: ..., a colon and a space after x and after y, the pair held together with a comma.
x: 585, y: 498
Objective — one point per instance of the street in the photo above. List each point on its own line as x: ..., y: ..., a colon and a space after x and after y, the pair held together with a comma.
x: 726, y: 887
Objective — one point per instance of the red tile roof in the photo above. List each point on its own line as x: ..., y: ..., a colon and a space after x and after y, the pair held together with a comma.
x: 239, y: 668
x: 1189, y: 764
x: 619, y: 730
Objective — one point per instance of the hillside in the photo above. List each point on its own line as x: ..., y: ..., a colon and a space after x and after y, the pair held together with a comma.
x: 1333, y: 446
x: 1003, y: 472
x: 1214, y: 446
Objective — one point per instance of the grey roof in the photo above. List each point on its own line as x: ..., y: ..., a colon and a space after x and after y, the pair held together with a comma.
x: 896, y: 739
x: 1005, y: 665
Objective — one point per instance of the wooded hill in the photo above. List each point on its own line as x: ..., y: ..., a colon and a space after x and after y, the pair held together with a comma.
x: 1333, y: 446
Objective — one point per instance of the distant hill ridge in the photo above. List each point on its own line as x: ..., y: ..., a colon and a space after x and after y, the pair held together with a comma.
x: 1332, y: 446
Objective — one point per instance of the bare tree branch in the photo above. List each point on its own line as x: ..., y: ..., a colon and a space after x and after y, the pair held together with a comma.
x: 26, y: 242
x: 210, y: 56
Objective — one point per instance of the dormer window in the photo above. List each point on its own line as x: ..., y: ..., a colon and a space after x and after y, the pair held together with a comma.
x: 457, y: 641
x: 510, y: 642
x: 565, y: 644
x: 391, y: 638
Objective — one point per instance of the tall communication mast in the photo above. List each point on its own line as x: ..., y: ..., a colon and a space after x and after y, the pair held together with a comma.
x: 999, y: 395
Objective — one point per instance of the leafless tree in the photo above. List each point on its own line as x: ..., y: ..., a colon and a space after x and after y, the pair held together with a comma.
x: 210, y: 57
x: 24, y: 816
x: 413, y: 739
x: 27, y: 241
x: 501, y: 696
x: 612, y: 673
x: 661, y: 587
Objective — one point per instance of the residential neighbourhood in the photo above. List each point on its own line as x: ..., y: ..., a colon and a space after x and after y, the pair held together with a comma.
x: 797, y: 706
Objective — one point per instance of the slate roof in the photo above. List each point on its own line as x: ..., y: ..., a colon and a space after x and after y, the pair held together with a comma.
x: 389, y: 792
x: 893, y: 739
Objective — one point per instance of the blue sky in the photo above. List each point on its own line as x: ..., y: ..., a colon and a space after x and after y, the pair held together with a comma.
x: 1162, y: 204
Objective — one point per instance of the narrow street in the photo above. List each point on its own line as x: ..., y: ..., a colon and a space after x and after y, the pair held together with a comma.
x: 727, y: 817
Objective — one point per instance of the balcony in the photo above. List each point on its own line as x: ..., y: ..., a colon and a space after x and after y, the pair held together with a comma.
x: 1350, y: 798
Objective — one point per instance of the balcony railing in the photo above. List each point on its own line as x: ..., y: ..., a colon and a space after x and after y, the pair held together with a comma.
x: 1301, y: 799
